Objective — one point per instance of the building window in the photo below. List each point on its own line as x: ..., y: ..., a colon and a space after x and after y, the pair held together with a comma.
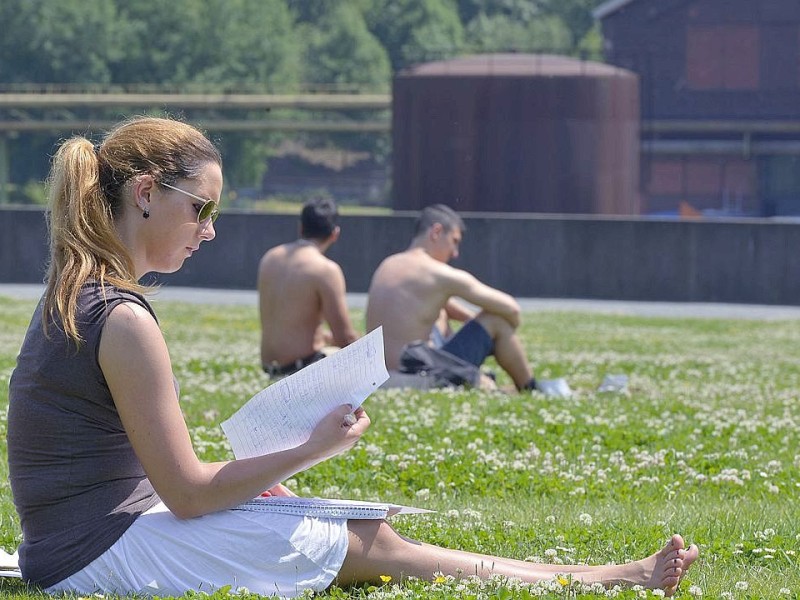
x: 722, y: 185
x: 722, y: 57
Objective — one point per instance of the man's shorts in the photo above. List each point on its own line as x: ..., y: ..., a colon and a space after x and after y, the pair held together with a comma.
x: 276, y: 371
x: 471, y: 343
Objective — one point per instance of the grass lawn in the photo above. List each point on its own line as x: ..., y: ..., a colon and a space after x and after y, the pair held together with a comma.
x: 706, y: 443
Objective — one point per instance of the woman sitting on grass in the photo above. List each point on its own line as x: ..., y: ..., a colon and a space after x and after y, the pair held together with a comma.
x: 111, y: 495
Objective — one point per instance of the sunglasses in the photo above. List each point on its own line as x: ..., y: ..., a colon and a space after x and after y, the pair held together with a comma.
x: 209, y: 209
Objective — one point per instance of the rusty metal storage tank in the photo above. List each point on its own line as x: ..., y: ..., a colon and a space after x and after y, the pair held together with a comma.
x: 516, y: 133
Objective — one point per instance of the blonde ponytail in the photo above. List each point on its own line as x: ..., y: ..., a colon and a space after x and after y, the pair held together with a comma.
x: 84, y: 243
x: 86, y: 189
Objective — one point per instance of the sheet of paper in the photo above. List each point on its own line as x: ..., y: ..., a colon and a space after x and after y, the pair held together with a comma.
x: 9, y: 564
x: 283, y: 415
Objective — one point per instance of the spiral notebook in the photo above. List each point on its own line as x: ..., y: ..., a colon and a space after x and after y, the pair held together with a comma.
x: 328, y: 508
x: 284, y: 414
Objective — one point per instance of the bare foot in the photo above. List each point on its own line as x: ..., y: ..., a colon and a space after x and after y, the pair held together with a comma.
x: 487, y: 383
x: 664, y: 569
x: 690, y: 555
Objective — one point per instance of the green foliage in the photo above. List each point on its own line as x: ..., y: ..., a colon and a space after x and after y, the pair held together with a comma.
x: 415, y: 31
x: 503, y: 33
x: 576, y: 14
x: 705, y: 442
x: 59, y: 42
x: 262, y: 45
x: 341, y: 50
x: 220, y: 42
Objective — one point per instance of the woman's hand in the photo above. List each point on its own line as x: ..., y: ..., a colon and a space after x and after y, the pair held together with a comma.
x: 337, y: 432
x: 279, y: 490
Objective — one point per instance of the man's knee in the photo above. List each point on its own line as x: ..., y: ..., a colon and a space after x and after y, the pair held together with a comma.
x: 496, y: 325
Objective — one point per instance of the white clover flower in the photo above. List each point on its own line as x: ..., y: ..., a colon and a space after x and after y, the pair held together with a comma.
x: 551, y: 552
x: 658, y: 593
x: 552, y: 519
x: 742, y: 586
x: 423, y: 494
x: 695, y: 591
x: 585, y: 519
x: 785, y: 592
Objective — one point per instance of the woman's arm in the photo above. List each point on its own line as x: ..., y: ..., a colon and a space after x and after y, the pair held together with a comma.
x: 134, y: 358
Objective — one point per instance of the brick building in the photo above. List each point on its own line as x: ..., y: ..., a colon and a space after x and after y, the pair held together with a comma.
x: 720, y: 101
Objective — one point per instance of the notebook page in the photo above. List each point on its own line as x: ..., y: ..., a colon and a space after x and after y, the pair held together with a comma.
x: 283, y: 415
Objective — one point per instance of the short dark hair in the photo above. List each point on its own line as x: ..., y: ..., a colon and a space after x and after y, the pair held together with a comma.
x: 438, y: 213
x: 319, y: 218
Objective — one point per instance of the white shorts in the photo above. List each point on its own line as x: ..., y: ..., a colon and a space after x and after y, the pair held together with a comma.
x: 266, y: 553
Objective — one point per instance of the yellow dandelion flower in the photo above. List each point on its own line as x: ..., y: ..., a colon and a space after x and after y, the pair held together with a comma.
x: 439, y: 579
x: 386, y: 578
x: 562, y: 580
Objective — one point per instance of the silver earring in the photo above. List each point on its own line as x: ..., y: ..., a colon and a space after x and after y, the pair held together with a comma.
x: 146, y: 213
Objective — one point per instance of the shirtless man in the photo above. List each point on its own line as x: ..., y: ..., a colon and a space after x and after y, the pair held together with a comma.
x: 413, y: 295
x: 302, y: 295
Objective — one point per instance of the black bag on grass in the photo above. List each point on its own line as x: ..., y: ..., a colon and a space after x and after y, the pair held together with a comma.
x: 446, y: 369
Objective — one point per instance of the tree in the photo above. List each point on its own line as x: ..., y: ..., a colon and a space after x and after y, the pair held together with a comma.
x: 501, y: 33
x: 414, y: 31
x: 58, y: 42
x: 519, y: 10
x: 341, y: 50
x: 565, y: 26
x: 222, y: 42
x: 576, y: 15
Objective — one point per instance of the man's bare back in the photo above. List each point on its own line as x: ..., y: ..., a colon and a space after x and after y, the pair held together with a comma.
x: 406, y: 296
x: 301, y: 294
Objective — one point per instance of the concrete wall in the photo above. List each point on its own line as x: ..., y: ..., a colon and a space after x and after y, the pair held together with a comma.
x: 743, y: 261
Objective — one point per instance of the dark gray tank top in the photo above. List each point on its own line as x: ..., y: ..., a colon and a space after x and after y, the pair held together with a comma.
x: 76, y: 481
